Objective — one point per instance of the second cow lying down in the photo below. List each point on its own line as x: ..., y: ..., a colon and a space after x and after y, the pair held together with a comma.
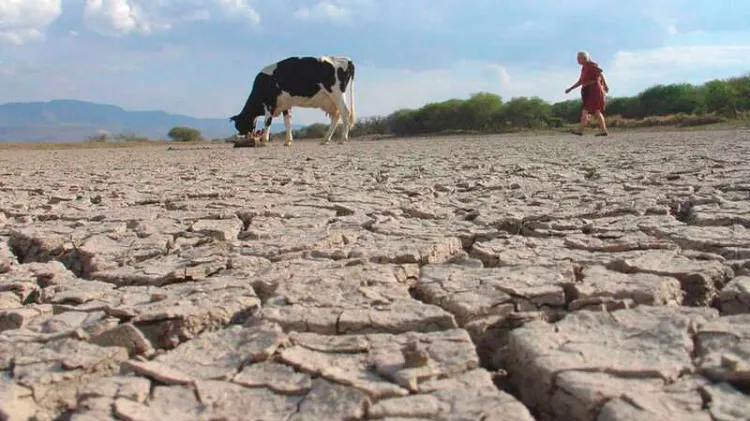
x: 307, y: 82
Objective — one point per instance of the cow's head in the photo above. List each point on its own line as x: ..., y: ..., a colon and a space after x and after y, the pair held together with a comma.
x: 245, y: 125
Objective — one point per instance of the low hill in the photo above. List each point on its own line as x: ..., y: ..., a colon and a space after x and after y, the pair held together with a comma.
x: 72, y: 120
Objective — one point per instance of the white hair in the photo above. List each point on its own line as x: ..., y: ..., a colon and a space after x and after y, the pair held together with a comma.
x: 585, y: 55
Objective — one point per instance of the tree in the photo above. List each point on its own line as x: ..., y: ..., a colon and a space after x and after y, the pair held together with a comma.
x: 184, y: 134
x: 313, y: 131
x: 627, y: 107
x: 530, y: 113
x: 370, y: 126
x: 741, y: 88
x: 569, y: 111
x: 129, y: 137
x: 401, y: 122
x: 97, y: 138
x: 479, y: 111
x: 437, y: 116
x: 669, y: 99
x: 719, y: 98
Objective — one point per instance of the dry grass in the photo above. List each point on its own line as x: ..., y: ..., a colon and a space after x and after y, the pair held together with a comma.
x: 672, y: 122
x: 678, y: 120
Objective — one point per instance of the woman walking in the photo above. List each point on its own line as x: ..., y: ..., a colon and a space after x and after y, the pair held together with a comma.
x: 593, y: 88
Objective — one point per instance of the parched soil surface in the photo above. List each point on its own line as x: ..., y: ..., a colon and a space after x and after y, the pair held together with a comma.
x: 502, y: 278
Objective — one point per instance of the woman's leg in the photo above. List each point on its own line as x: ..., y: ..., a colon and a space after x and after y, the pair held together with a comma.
x: 602, y: 123
x: 585, y: 100
x: 584, y: 120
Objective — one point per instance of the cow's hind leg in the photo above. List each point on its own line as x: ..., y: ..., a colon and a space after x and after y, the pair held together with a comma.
x: 335, y: 118
x: 343, y: 109
x: 288, y: 127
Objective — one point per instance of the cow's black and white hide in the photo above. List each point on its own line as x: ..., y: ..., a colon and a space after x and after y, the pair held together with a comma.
x: 307, y: 82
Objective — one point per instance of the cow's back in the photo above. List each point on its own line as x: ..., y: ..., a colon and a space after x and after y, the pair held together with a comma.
x: 302, y: 76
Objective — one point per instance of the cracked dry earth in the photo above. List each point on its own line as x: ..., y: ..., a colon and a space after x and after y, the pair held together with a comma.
x: 503, y: 278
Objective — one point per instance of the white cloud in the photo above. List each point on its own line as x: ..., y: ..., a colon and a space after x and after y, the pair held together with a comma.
x: 325, y: 11
x: 196, y: 15
x: 240, y: 9
x: 636, y: 70
x: 699, y: 56
x: 25, y: 20
x: 121, y: 17
x: 548, y: 84
x: 21, y: 36
x: 115, y: 17
x: 503, y: 74
x: 7, y: 69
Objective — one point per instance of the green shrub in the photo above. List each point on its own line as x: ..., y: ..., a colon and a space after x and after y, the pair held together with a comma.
x: 184, y: 134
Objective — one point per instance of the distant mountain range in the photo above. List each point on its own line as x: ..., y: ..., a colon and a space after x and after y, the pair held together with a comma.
x: 71, y: 120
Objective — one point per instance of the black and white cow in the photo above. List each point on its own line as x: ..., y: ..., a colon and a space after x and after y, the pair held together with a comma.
x: 307, y: 82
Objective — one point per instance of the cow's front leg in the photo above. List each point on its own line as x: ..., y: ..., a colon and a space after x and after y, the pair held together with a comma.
x: 267, y: 128
x: 288, y: 127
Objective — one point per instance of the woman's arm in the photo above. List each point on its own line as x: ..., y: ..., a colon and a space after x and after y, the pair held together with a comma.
x: 577, y: 84
x: 581, y: 84
x: 584, y: 84
x: 584, y: 80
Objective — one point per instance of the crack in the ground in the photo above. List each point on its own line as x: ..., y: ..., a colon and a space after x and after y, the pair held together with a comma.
x: 682, y: 211
x: 563, y: 184
x: 481, y: 342
x: 247, y: 220
x: 67, y: 415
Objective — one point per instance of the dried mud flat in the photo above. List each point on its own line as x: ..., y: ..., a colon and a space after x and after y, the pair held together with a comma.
x: 504, y: 278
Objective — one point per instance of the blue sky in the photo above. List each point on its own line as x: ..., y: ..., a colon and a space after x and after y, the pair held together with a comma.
x: 199, y: 57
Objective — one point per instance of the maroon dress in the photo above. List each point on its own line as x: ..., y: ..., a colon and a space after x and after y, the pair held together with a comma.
x: 592, y: 95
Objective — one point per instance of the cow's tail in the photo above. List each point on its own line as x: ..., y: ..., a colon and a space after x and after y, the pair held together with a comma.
x: 352, y: 112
